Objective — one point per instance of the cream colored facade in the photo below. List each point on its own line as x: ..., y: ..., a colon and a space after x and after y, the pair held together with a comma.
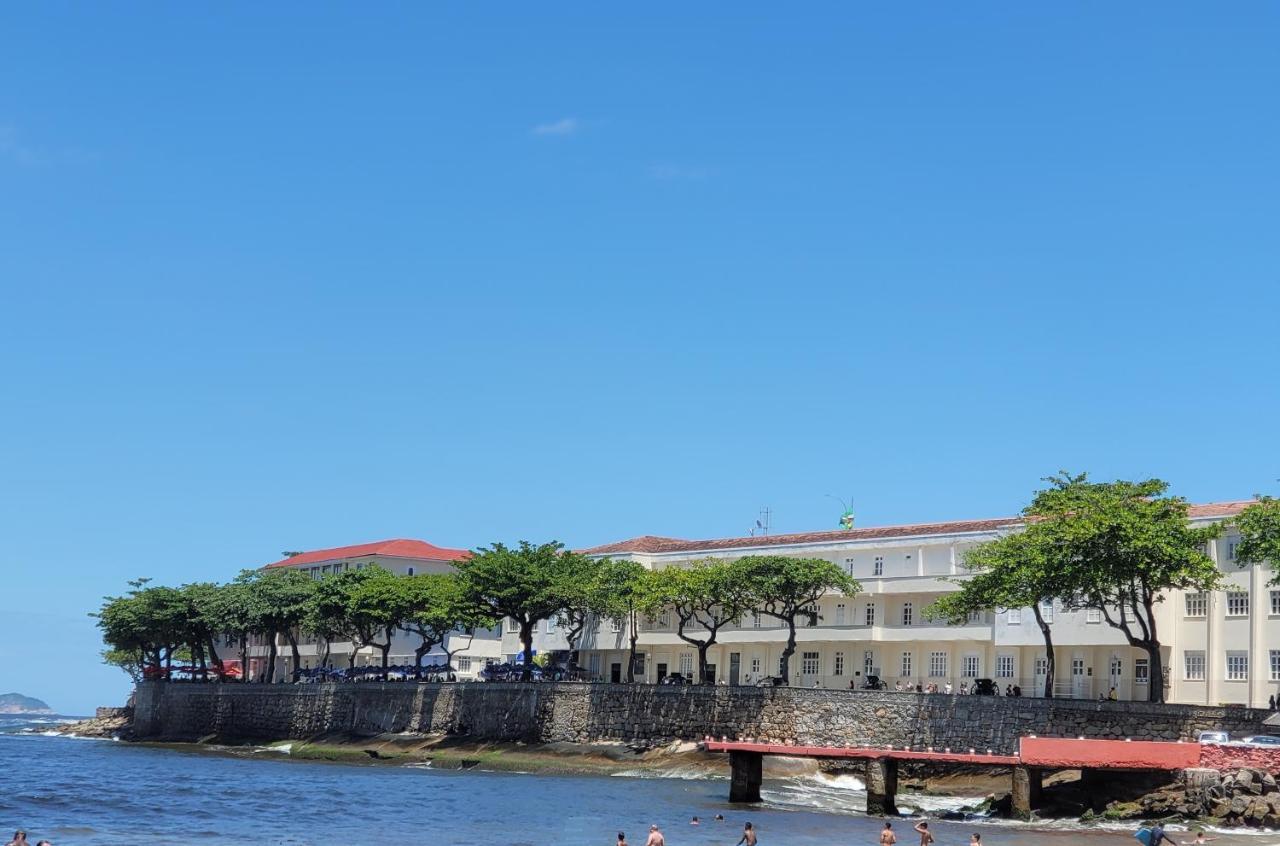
x: 1220, y: 648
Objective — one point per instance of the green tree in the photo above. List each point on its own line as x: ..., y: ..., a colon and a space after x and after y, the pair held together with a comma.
x: 1015, y: 571
x: 705, y: 597
x: 1122, y: 545
x: 149, y: 622
x: 527, y: 584
x: 379, y: 602
x: 623, y: 590
x: 1259, y: 526
x: 438, y: 610
x: 788, y: 588
x: 279, y: 599
x: 230, y: 611
x: 580, y: 598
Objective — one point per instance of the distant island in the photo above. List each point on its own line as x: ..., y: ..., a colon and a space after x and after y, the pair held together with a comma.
x: 16, y: 703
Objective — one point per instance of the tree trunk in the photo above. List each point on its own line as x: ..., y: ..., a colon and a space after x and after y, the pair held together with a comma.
x: 1051, y: 663
x: 271, y: 660
x: 212, y: 646
x: 328, y: 647
x: 784, y: 668
x: 526, y: 644
x: 703, y: 676
x: 1155, y: 684
x: 244, y: 659
x: 631, y: 657
x: 297, y: 656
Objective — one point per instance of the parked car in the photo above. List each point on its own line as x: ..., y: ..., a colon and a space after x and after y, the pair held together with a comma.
x: 874, y: 683
x: 675, y: 678
x: 1212, y: 737
x: 770, y: 681
x: 1262, y: 740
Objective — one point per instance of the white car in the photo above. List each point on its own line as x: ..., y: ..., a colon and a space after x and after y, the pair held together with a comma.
x: 1212, y: 737
x: 1262, y: 740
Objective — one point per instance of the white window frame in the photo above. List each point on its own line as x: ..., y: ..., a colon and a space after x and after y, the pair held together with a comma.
x: 1193, y: 665
x: 906, y: 665
x: 837, y: 664
x: 1274, y: 656
x: 1005, y: 665
x: 938, y: 665
x: 1237, y: 603
x: 971, y: 666
x: 615, y: 625
x: 1196, y: 604
x: 1275, y: 603
x: 686, y: 664
x: 1046, y: 610
x: 1013, y: 617
x: 840, y: 612
x: 464, y: 663
x: 908, y: 613
x: 1093, y: 615
x: 1141, y: 671
x: 809, y: 663
x: 877, y: 566
x: 868, y: 662
x: 869, y: 614
x: 551, y: 624
x: 1237, y: 665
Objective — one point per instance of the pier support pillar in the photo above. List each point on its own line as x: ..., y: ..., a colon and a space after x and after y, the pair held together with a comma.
x: 1027, y: 783
x: 882, y: 786
x: 748, y: 769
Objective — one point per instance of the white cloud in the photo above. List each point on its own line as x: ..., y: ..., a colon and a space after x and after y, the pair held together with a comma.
x: 564, y: 126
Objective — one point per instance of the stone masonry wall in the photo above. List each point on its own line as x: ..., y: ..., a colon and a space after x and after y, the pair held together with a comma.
x: 545, y: 713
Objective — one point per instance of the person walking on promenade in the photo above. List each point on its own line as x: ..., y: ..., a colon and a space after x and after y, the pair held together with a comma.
x: 655, y: 837
x: 887, y: 837
x: 926, y: 836
x: 748, y: 836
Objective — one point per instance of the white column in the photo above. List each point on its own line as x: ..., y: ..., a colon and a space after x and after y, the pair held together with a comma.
x: 920, y: 561
x: 1259, y: 657
x: 1214, y: 655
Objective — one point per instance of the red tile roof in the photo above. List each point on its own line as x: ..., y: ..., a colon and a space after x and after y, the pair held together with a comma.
x: 399, y: 548
x: 653, y: 544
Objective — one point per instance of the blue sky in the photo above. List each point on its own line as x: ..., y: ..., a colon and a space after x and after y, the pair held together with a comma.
x: 300, y: 275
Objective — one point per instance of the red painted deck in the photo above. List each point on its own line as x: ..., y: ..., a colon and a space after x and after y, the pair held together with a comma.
x: 1059, y: 753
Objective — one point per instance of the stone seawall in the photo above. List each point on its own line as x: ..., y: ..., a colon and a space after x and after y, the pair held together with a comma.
x: 583, y: 713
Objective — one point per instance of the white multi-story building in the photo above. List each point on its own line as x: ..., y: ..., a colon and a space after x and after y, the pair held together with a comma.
x: 405, y: 557
x: 1219, y: 648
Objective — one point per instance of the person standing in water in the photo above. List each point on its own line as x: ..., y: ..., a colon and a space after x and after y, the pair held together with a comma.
x: 19, y: 838
x: 887, y: 837
x: 748, y: 836
x: 655, y: 837
x: 926, y: 837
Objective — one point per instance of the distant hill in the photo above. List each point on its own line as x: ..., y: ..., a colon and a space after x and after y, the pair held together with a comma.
x: 16, y: 703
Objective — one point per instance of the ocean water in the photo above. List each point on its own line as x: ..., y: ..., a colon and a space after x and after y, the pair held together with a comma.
x: 105, y: 793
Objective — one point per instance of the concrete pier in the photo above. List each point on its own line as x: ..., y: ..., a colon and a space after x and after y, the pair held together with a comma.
x: 748, y: 769
x: 1027, y: 784
x: 882, y: 786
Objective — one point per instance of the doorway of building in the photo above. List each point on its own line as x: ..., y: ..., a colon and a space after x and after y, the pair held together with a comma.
x: 709, y: 676
x: 1079, y: 683
x: 615, y: 673
x: 662, y: 672
x: 735, y: 667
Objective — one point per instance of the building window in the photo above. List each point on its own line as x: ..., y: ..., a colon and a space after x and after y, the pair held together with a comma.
x: 615, y: 625
x: 593, y: 665
x: 638, y: 667
x: 869, y: 663
x: 839, y: 613
x: 811, y: 616
x: 1275, y: 664
x: 1197, y: 604
x: 1046, y: 611
x: 937, y: 665
x: 877, y: 567
x: 410, y: 571
x: 551, y: 625
x: 1015, y: 617
x: 870, y: 615
x: 1193, y: 665
x: 1275, y: 602
x: 755, y: 619
x: 686, y: 664
x: 1141, y: 670
x: 512, y: 626
x: 975, y: 617
x: 1237, y: 666
x: 1004, y: 666
x: 906, y: 613
x: 837, y: 667
x: 464, y: 663
x: 848, y: 565
x: 1093, y: 615
x: 1042, y: 666
x: 1238, y: 603
x: 1231, y: 550
x: 755, y: 665
x: 809, y: 664
x: 906, y: 665
x: 972, y: 667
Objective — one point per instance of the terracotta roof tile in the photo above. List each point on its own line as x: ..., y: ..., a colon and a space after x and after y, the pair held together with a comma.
x: 399, y: 548
x: 654, y: 544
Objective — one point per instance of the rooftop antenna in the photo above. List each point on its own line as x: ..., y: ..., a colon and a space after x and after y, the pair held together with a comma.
x: 763, y: 523
x: 846, y: 516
